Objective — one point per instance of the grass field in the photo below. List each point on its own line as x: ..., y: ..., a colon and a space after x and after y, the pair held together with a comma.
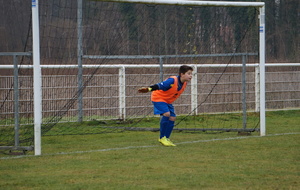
x: 135, y: 160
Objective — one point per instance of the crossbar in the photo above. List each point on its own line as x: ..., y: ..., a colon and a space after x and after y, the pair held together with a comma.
x: 148, y: 66
x: 193, y: 3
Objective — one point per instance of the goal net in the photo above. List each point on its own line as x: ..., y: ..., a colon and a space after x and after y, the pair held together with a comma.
x: 96, y: 54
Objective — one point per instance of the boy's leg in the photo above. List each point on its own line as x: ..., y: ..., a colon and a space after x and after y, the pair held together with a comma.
x: 169, y: 128
x: 171, y: 121
x: 164, y: 123
x: 162, y: 109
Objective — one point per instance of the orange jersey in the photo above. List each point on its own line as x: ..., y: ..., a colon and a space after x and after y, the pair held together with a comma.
x: 170, y: 95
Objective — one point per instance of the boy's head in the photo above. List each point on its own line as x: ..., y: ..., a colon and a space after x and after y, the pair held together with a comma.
x: 185, y: 73
x: 184, y: 68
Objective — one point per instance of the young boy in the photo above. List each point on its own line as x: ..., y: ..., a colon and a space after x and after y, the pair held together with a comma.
x: 163, y: 95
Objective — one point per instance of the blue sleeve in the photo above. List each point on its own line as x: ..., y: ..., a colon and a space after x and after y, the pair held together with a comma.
x: 166, y: 85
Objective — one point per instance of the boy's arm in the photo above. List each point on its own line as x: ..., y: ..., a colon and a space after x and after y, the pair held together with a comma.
x: 166, y: 85
x: 148, y: 89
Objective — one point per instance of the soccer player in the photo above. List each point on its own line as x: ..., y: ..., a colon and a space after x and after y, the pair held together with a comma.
x: 162, y: 97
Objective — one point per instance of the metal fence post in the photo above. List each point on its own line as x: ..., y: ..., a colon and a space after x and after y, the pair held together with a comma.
x: 161, y: 68
x: 79, y: 59
x: 122, y: 93
x: 16, y: 100
x: 194, y: 91
x: 257, y: 85
x: 244, y: 103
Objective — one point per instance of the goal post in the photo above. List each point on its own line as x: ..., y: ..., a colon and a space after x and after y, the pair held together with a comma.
x: 261, y: 6
x: 78, y: 47
x: 262, y: 61
x: 193, y: 3
x: 81, y: 53
x: 37, y: 76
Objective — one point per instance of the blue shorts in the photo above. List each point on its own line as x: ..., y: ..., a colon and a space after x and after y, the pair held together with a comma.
x: 162, y: 107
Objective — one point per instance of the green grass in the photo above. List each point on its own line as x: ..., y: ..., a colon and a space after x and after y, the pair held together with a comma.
x: 135, y: 160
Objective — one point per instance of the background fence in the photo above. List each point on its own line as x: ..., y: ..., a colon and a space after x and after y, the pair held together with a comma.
x: 113, y: 94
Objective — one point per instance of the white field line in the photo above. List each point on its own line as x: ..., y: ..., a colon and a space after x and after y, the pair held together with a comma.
x: 150, y: 146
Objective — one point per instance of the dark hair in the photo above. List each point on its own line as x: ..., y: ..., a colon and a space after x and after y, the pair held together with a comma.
x: 185, y: 68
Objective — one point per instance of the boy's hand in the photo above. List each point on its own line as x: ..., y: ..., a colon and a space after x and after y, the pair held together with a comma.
x: 144, y: 90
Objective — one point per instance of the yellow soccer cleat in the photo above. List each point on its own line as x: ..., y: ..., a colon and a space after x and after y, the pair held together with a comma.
x: 170, y: 142
x: 164, y: 141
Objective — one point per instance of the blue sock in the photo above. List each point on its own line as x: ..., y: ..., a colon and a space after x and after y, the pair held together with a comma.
x: 170, y: 128
x: 164, y: 122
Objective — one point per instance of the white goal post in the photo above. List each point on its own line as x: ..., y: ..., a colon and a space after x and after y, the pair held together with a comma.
x: 261, y: 17
x: 37, y: 67
x: 37, y: 78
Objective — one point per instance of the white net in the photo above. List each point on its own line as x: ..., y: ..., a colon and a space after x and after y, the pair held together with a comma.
x: 124, y: 46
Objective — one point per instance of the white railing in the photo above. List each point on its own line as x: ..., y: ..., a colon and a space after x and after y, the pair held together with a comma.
x: 193, y: 96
